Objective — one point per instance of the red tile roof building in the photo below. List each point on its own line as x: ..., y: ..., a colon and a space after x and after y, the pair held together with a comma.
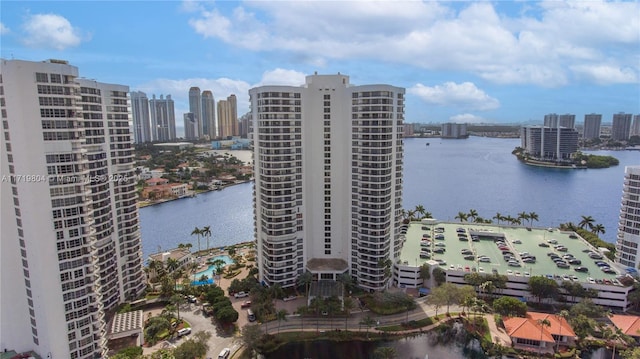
x: 528, y: 334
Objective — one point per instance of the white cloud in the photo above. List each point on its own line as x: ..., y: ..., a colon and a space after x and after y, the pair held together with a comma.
x: 50, y: 31
x: 465, y: 95
x: 3, y: 29
x: 537, y: 46
x: 466, y: 118
x: 606, y: 74
x: 282, y: 77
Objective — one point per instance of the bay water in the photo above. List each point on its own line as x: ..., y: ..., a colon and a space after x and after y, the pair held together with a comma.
x: 445, y: 176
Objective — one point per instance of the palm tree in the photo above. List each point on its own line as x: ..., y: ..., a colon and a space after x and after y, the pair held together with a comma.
x: 197, y: 231
x: 543, y: 323
x: 281, y: 315
x: 427, y: 215
x: 598, y: 228
x: 316, y: 306
x: 564, y: 314
x: 368, y: 322
x: 533, y: 216
x: 420, y: 209
x: 462, y: 216
x: 410, y: 214
x: 348, y: 305
x: 587, y: 221
x: 498, y: 217
x: 305, y: 280
x: 523, y: 216
x: 206, y: 232
x: 472, y: 214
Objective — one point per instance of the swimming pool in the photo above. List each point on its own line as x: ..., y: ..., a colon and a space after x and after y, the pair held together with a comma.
x: 210, y: 272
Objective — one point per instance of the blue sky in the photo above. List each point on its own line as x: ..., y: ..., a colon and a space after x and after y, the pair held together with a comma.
x: 493, y: 62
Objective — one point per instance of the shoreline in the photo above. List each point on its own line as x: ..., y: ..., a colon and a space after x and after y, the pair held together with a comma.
x: 146, y: 203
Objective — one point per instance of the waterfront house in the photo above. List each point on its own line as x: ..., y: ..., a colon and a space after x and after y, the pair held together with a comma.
x: 628, y: 324
x: 529, y: 334
x: 181, y: 255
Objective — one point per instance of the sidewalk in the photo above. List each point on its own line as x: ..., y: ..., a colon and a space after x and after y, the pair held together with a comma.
x: 498, y: 335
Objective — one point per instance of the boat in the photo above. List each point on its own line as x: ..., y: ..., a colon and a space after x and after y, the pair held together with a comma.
x: 427, y: 143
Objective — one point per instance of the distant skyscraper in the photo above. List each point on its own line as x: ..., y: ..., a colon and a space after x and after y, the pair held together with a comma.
x: 228, y: 117
x: 548, y: 143
x: 70, y: 247
x: 163, y: 118
x: 140, y: 115
x: 635, y: 127
x: 551, y: 120
x: 592, y: 126
x: 567, y: 120
x: 245, y: 125
x: 628, y: 239
x: 621, y: 127
x: 195, y: 107
x: 343, y: 212
x: 208, y: 114
x: 454, y: 130
x: 190, y: 125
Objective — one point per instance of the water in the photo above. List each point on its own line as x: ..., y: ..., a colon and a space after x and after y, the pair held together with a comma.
x: 445, y: 177
x: 211, y: 270
x: 407, y: 348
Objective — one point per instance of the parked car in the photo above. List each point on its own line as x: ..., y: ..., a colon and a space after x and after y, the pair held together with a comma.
x: 184, y: 331
x: 543, y: 245
x: 581, y: 269
x: 245, y: 304
x: 224, y: 354
x: 291, y: 297
x: 241, y: 295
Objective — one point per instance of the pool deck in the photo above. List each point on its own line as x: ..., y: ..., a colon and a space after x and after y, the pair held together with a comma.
x: 529, y: 241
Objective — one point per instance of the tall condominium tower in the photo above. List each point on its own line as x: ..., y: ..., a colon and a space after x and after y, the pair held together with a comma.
x: 628, y: 243
x: 208, y: 114
x: 621, y: 127
x: 567, y: 120
x: 140, y: 115
x: 635, y: 127
x: 454, y: 130
x: 328, y: 188
x: 228, y: 117
x: 592, y: 126
x: 551, y: 120
x: 163, y: 118
x: 70, y: 244
x: 244, y: 125
x: 555, y: 143
x: 195, y: 107
x: 190, y: 126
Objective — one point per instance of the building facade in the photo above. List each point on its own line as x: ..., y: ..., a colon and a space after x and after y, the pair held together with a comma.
x: 140, y: 116
x: 628, y: 239
x: 190, y: 126
x: 228, y: 117
x: 592, y: 124
x: 328, y: 162
x: 548, y: 143
x: 195, y: 107
x: 70, y: 248
x: 163, y: 118
x: 454, y: 130
x: 621, y: 127
x: 635, y: 127
x: 554, y: 120
x: 208, y: 115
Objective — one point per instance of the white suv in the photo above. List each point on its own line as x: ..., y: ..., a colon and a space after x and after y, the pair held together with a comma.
x: 241, y: 295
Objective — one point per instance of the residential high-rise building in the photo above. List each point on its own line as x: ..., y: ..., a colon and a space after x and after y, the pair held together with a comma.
x: 545, y: 143
x: 70, y: 244
x: 628, y: 239
x: 244, y: 125
x: 228, y: 117
x: 195, y: 107
x: 328, y: 160
x: 454, y: 130
x: 621, y: 127
x: 551, y: 120
x: 163, y: 118
x: 190, y: 126
x: 592, y: 124
x: 140, y: 116
x: 208, y: 115
x: 567, y: 120
x: 635, y: 127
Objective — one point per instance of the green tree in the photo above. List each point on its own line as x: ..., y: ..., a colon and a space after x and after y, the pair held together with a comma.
x: 597, y: 229
x: 523, y: 216
x: 154, y: 327
x: 194, y: 347
x: 227, y: 315
x: 498, y: 217
x: 473, y: 214
x: 543, y: 323
x: 198, y: 232
x: 302, y: 311
x: 543, y: 287
x: 439, y: 275
x: 510, y: 307
x: 462, y: 216
x: 425, y: 274
x: 280, y: 316
x: 177, y: 300
x: 348, y: 305
x: 562, y: 316
x: 206, y: 232
x: 347, y: 282
x: 533, y: 216
x: 316, y: 306
x: 251, y: 337
x: 129, y: 353
x: 420, y: 209
x: 368, y: 322
x: 384, y: 353
x: 587, y: 221
x: 304, y: 280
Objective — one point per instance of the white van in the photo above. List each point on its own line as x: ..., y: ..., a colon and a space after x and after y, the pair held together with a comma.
x: 224, y: 354
x: 184, y: 331
x: 251, y: 316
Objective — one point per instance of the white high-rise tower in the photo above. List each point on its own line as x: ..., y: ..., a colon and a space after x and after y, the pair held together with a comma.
x: 628, y: 241
x: 328, y: 190
x: 70, y: 244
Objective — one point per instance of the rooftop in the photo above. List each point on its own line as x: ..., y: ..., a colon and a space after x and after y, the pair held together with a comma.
x: 327, y: 264
x: 519, y: 240
x: 176, y: 253
x: 124, y: 322
x: 628, y: 324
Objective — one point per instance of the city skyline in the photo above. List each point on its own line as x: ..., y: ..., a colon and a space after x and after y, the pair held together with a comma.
x: 460, y: 62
